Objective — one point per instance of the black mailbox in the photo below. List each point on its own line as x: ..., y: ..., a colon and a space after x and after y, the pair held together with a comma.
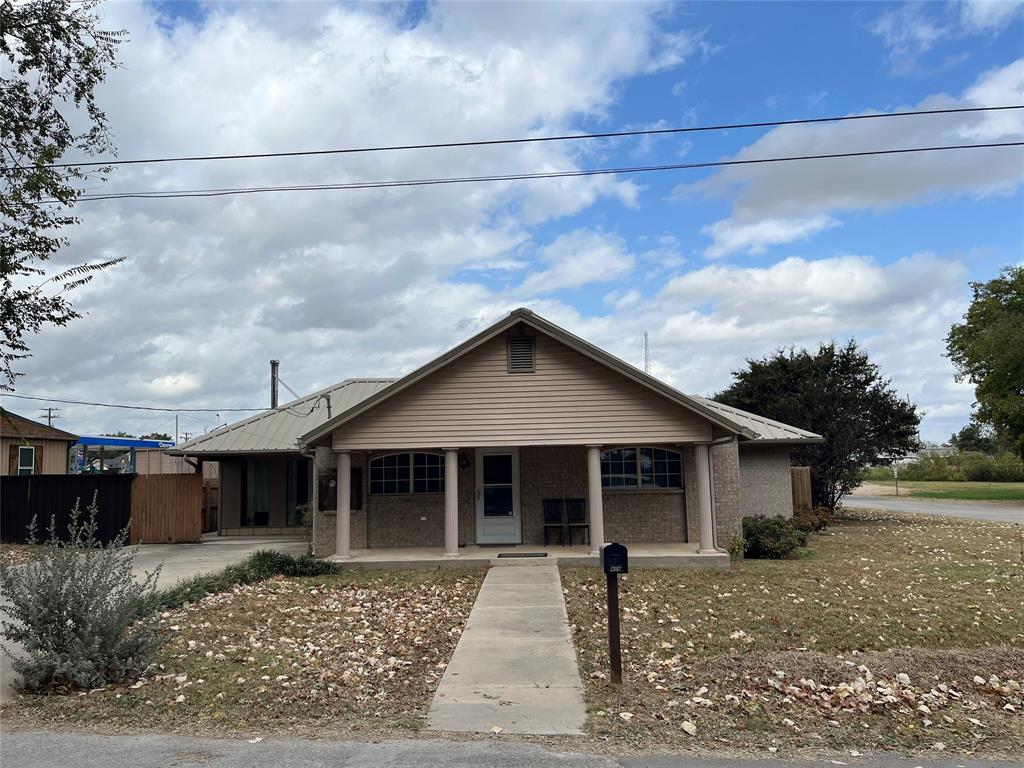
x: 614, y: 558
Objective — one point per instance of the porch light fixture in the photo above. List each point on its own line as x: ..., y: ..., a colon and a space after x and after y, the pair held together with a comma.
x: 463, y: 461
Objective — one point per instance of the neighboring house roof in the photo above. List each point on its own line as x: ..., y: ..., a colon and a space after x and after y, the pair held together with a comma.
x: 766, y: 430
x: 278, y: 430
x: 745, y: 425
x: 18, y: 427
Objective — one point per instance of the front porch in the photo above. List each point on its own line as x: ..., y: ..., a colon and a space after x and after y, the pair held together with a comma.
x: 462, y: 507
x: 678, y: 555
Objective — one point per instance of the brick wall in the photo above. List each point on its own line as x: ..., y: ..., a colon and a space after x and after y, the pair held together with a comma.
x: 394, y: 521
x: 560, y: 472
x: 725, y: 465
x: 548, y: 472
x: 766, y: 487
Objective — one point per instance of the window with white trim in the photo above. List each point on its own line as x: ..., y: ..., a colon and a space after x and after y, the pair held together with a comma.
x: 26, y: 459
x: 640, y: 467
x: 407, y: 473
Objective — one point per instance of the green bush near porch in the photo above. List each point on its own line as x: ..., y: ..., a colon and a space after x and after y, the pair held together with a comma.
x: 771, y: 538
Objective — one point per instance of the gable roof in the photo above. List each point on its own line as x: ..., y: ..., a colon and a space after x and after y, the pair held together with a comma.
x: 278, y: 430
x: 18, y: 427
x: 739, y: 423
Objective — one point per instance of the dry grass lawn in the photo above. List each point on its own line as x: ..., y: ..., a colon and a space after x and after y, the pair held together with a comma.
x: 19, y: 554
x: 897, y: 633
x: 357, y: 652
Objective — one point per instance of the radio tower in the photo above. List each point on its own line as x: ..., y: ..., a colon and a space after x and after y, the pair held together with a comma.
x: 647, y: 354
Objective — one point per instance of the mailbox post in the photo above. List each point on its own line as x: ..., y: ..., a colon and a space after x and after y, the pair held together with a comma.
x: 614, y: 560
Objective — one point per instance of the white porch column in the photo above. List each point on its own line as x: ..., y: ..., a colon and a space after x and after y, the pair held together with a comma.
x: 451, y: 502
x: 594, y: 498
x: 702, y: 463
x: 343, y: 550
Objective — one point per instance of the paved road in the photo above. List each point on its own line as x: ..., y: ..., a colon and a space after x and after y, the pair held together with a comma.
x: 180, y: 561
x: 44, y: 749
x: 975, y: 510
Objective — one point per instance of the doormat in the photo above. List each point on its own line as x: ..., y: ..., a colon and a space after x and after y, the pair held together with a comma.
x: 522, y: 554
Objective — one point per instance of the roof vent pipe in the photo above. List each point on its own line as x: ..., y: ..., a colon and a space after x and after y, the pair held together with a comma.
x: 273, y: 383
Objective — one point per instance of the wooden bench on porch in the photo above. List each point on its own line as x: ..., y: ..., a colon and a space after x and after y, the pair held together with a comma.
x: 566, y: 516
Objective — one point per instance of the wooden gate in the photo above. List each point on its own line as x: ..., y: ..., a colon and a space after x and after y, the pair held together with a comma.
x: 167, y: 509
x: 801, y: 479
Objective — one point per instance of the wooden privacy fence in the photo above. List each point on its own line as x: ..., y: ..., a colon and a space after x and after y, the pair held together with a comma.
x: 47, y: 497
x: 801, y: 479
x: 164, y: 509
x: 167, y: 509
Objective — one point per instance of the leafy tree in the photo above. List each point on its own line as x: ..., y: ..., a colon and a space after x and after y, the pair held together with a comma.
x: 987, y: 349
x: 56, y: 56
x: 156, y: 436
x: 838, y: 393
x: 979, y: 438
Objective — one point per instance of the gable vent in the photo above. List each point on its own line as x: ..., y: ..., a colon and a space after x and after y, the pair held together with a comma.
x: 522, y: 354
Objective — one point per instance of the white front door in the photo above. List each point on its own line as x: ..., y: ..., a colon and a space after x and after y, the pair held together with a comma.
x: 497, y: 496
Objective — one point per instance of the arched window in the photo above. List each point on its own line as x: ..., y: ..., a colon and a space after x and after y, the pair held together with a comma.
x: 640, y: 467
x: 407, y: 473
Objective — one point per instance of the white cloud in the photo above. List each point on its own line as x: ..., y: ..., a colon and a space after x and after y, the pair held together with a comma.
x: 989, y: 15
x: 730, y: 235
x: 335, y: 284
x: 913, y: 29
x: 909, y: 31
x: 811, y: 193
x: 578, y: 258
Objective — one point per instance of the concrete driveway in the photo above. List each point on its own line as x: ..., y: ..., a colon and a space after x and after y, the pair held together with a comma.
x: 180, y: 561
x: 993, y: 512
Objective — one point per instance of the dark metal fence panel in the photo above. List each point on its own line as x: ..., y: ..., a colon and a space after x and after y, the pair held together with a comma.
x: 45, y: 496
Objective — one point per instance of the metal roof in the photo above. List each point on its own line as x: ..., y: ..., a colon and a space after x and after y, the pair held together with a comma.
x: 278, y: 430
x: 765, y: 430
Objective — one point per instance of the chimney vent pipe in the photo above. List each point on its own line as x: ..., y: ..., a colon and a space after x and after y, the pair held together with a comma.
x: 273, y: 383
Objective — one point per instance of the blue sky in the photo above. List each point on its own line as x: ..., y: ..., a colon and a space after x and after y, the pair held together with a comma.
x: 716, y: 265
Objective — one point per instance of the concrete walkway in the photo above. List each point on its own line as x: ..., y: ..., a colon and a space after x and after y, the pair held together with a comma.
x: 514, y: 666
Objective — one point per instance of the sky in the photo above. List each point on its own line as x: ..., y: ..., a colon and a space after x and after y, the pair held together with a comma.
x: 717, y: 265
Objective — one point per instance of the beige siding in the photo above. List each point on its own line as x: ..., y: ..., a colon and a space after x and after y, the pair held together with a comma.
x: 55, y: 454
x: 153, y: 461
x: 569, y: 400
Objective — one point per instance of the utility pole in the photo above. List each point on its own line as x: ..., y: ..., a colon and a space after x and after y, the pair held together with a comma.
x: 186, y: 436
x: 647, y: 354
x: 51, y: 414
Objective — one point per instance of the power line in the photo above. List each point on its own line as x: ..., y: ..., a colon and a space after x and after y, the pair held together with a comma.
x: 130, y: 407
x: 223, y: 192
x: 535, y: 139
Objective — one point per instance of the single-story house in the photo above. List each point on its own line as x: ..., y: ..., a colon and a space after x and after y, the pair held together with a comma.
x: 32, y: 448
x: 503, y: 440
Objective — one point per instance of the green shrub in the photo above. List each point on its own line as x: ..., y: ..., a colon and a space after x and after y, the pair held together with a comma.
x: 874, y: 474
x: 771, y: 538
x: 812, y: 520
x: 259, y: 566
x: 78, y: 611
